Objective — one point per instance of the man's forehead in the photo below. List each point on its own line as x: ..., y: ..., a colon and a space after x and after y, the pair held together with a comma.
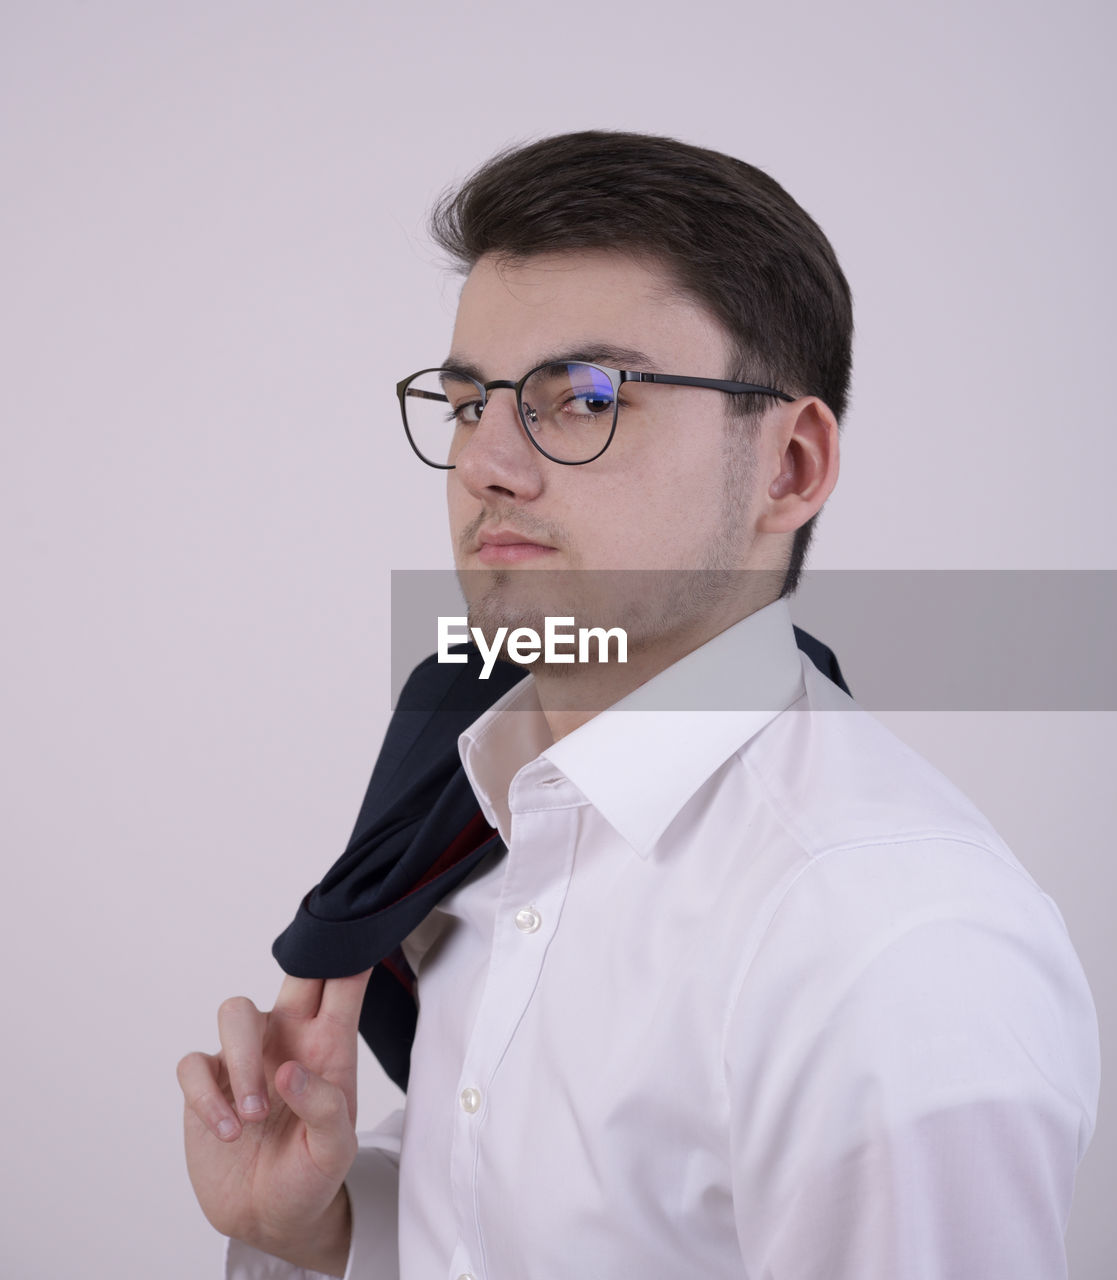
x: 601, y: 306
x: 535, y: 280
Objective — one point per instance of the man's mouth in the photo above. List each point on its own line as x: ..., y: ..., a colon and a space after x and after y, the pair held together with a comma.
x: 508, y: 546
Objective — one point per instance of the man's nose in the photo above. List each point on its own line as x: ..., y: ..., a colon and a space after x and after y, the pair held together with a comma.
x: 498, y: 454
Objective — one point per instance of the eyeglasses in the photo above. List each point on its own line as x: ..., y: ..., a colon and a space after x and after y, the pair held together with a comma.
x: 568, y: 409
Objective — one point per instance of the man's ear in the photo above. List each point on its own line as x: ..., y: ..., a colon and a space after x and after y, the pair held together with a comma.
x: 801, y: 458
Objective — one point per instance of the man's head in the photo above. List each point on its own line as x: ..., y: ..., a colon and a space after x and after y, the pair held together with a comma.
x: 720, y: 232
x: 638, y: 256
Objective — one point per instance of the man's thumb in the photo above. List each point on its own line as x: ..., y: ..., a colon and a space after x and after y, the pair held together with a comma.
x: 331, y: 1138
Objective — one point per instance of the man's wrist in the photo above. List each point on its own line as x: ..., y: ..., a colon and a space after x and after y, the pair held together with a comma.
x: 325, y: 1247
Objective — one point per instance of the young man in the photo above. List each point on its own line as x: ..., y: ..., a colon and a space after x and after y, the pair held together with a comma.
x: 753, y: 991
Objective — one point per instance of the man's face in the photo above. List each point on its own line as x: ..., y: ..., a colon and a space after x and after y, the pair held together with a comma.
x: 672, y: 490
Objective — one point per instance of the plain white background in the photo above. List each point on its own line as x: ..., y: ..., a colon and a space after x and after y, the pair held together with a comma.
x: 214, y: 271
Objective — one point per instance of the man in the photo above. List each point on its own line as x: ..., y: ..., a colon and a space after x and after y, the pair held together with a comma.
x: 753, y: 991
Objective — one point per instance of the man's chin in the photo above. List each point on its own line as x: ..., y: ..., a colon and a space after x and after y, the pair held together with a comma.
x: 514, y: 598
x: 495, y: 610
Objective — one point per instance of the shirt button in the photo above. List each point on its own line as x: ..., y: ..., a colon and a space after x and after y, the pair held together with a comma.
x: 470, y: 1100
x: 528, y: 920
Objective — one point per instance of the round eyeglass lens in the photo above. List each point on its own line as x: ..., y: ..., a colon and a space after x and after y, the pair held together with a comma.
x: 569, y: 409
x: 440, y: 407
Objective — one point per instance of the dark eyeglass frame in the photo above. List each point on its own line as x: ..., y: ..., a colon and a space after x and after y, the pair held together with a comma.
x: 616, y: 376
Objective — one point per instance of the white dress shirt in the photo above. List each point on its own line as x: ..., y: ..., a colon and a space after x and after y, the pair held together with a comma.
x: 753, y: 994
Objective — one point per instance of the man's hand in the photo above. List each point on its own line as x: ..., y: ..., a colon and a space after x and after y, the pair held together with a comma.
x: 271, y: 1121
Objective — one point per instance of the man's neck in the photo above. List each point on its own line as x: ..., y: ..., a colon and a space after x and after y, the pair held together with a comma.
x: 571, y: 696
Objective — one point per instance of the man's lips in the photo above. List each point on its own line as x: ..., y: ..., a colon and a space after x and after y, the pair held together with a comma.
x: 507, y: 546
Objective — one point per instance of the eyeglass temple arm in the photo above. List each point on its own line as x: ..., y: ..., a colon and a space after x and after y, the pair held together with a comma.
x: 715, y: 384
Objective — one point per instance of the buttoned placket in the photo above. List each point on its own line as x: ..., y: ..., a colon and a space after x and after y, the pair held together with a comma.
x: 536, y: 875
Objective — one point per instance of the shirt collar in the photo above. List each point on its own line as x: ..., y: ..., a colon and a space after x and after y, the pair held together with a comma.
x: 639, y: 761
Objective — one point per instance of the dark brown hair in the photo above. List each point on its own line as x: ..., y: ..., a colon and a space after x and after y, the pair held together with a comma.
x: 730, y: 235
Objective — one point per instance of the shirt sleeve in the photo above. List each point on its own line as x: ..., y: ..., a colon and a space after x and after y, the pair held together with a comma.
x: 926, y: 1080
x: 373, y: 1188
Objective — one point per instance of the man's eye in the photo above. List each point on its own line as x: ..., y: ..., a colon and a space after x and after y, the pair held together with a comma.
x: 589, y: 406
x: 468, y: 413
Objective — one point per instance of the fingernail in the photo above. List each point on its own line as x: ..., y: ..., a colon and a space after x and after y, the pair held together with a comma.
x: 226, y: 1128
x: 299, y: 1080
x: 252, y: 1105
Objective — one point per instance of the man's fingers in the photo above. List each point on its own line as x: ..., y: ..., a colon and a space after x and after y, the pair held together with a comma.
x: 241, y: 1028
x: 331, y: 1137
x: 299, y: 997
x: 198, y: 1077
x: 343, y: 997
x: 339, y: 999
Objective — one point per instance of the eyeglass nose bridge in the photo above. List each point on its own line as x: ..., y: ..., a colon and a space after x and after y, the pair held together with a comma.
x: 504, y: 384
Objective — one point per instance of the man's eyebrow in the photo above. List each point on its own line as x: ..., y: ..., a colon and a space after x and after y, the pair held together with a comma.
x: 463, y: 367
x: 594, y: 353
